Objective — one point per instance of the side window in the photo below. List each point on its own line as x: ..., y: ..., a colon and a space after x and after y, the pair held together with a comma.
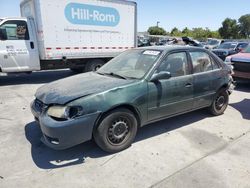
x: 176, y: 64
x: 243, y: 45
x: 16, y: 30
x: 201, y: 62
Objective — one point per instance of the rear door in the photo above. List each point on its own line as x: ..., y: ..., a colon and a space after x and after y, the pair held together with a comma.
x: 174, y: 95
x: 19, y: 52
x: 206, y: 77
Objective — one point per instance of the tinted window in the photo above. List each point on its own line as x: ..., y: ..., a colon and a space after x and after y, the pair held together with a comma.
x: 176, y: 64
x: 16, y: 30
x: 227, y: 46
x: 243, y: 45
x: 201, y: 62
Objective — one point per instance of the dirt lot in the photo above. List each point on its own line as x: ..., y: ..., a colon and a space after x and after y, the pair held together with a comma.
x: 192, y: 150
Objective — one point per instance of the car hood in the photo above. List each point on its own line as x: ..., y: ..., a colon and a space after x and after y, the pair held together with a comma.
x: 241, y: 57
x: 68, y: 89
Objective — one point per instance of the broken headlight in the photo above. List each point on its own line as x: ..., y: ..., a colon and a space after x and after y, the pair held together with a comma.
x: 64, y: 112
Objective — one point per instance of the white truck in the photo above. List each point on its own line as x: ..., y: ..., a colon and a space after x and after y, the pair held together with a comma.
x: 78, y: 34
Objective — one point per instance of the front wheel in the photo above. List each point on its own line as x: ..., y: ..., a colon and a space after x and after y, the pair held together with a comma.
x: 116, y: 131
x: 220, y: 103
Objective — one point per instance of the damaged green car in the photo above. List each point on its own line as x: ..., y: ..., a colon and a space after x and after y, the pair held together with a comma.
x: 136, y: 88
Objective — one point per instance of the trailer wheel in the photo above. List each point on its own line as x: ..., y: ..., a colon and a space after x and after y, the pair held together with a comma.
x: 94, y: 65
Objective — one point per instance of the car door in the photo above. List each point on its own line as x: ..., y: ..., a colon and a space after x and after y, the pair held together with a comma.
x: 20, y: 51
x: 205, y: 78
x: 171, y: 96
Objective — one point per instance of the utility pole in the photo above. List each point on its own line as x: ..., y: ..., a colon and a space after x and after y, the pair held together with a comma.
x: 157, y: 23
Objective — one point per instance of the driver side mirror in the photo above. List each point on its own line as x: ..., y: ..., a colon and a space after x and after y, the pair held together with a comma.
x: 163, y: 75
x: 3, y: 34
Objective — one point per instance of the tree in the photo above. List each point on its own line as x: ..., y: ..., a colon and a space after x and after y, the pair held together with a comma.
x: 186, y: 32
x: 156, y: 31
x: 175, y: 32
x: 199, y: 33
x: 229, y: 29
x: 244, y: 25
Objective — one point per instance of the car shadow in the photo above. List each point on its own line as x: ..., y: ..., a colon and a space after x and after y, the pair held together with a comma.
x: 40, y: 77
x: 46, y: 158
x: 243, y: 108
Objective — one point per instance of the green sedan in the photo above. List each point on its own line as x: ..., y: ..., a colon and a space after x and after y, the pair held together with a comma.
x: 136, y: 88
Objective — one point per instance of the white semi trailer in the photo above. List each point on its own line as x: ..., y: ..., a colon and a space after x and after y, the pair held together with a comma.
x: 78, y: 34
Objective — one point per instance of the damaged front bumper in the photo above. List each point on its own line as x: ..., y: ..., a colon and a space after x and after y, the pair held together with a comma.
x: 231, y: 85
x: 65, y: 134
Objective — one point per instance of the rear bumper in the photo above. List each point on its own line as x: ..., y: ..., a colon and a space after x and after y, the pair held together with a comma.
x: 65, y: 134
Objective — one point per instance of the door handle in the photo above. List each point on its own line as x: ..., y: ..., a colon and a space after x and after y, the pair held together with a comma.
x: 32, y: 46
x: 188, y: 85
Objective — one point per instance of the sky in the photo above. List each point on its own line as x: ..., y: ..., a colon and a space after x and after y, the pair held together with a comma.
x: 170, y: 13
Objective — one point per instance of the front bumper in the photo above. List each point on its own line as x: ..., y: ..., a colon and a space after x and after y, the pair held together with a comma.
x: 65, y: 134
x: 231, y: 85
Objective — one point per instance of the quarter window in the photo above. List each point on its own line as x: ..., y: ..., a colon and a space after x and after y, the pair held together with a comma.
x: 16, y: 30
x: 176, y: 64
x: 215, y: 65
x: 201, y: 62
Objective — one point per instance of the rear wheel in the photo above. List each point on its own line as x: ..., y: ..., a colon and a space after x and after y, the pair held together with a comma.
x: 220, y: 103
x: 116, y: 131
x: 94, y: 65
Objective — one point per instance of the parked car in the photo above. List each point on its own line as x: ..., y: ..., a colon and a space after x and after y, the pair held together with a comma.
x: 191, y: 42
x: 213, y: 43
x: 240, y: 63
x: 138, y: 87
x: 229, y: 48
x: 162, y: 42
x: 143, y: 43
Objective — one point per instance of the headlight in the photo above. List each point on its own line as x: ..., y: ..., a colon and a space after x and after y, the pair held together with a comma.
x: 228, y: 60
x: 225, y: 53
x: 65, y: 112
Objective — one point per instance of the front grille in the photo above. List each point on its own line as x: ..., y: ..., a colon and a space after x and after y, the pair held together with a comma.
x: 241, y: 66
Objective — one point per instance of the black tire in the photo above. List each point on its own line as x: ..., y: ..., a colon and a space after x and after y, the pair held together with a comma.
x: 220, y: 102
x: 116, y: 130
x: 94, y: 65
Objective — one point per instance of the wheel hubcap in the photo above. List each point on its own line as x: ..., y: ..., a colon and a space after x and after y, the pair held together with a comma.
x: 118, y: 131
x: 220, y: 101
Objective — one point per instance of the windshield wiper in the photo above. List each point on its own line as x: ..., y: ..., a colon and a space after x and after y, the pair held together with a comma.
x: 113, y: 74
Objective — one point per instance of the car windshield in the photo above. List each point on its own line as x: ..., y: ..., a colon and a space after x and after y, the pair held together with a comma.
x: 227, y: 46
x: 132, y: 64
x: 213, y: 42
x: 247, y: 50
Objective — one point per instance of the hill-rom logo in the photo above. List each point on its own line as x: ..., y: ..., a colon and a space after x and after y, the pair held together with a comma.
x: 84, y: 14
